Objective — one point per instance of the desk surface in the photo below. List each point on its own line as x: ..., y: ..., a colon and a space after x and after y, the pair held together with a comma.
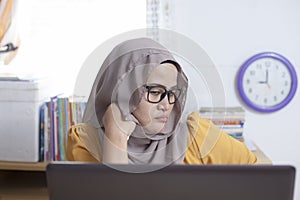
x: 41, y: 166
x: 27, y: 181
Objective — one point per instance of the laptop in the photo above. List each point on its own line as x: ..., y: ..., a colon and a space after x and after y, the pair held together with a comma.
x: 69, y: 180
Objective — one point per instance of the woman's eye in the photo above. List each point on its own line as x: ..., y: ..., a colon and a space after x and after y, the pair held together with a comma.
x: 155, y: 93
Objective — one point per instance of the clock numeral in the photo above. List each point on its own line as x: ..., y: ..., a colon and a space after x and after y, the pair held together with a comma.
x: 248, y: 81
x: 283, y: 74
x: 277, y: 67
x: 286, y: 83
x: 250, y: 90
x: 265, y: 100
x: 252, y: 72
x: 256, y: 97
x: 282, y: 92
x: 268, y: 64
x: 258, y: 66
x: 275, y: 98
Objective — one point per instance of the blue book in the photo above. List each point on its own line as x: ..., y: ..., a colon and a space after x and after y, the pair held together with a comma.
x: 41, y: 133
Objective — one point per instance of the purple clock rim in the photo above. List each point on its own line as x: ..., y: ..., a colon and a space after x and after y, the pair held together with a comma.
x: 277, y: 106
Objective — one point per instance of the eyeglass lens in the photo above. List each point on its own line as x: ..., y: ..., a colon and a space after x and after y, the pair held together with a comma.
x: 158, y: 93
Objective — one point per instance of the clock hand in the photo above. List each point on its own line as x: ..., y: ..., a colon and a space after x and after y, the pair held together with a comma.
x: 267, y: 79
x: 263, y: 82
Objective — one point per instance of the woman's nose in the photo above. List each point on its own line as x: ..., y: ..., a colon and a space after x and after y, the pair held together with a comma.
x: 164, y: 104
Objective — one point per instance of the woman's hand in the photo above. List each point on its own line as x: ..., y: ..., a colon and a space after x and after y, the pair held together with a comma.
x: 117, y: 131
x: 113, y: 122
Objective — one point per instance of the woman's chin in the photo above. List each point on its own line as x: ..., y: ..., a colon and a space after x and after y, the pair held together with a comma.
x: 154, y: 129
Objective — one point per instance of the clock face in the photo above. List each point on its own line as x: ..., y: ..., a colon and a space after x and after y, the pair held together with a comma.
x: 267, y: 82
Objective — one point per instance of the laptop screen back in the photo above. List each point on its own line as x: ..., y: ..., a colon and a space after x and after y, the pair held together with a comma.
x: 178, y: 182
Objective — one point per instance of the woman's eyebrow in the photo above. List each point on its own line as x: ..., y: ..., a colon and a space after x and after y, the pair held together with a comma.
x: 174, y: 87
x: 156, y: 84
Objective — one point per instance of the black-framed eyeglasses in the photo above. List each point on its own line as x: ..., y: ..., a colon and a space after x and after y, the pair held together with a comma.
x: 156, y: 93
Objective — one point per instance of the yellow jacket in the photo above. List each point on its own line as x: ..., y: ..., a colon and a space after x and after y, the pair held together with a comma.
x: 206, y: 144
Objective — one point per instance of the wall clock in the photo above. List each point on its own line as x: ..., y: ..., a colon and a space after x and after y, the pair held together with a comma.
x: 267, y: 82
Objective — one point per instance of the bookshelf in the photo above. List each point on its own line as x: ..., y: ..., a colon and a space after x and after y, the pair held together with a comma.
x: 22, y: 166
x: 23, y: 185
x: 23, y: 181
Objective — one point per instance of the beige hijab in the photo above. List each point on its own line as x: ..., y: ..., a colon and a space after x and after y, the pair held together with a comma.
x: 120, y: 80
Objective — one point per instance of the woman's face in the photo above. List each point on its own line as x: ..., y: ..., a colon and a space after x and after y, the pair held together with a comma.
x: 154, y: 116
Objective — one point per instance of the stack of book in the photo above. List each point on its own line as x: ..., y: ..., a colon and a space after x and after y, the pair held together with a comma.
x: 56, y: 117
x: 230, y: 119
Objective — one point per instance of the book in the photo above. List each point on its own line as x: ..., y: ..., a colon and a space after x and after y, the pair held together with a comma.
x: 56, y: 117
x: 229, y: 119
x: 41, y: 133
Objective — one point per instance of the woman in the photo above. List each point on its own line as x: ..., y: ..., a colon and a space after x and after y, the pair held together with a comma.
x: 135, y: 114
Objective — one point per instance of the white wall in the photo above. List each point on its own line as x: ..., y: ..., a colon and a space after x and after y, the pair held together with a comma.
x: 230, y: 32
x: 58, y: 35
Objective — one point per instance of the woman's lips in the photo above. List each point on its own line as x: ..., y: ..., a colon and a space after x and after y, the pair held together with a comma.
x: 163, y: 119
